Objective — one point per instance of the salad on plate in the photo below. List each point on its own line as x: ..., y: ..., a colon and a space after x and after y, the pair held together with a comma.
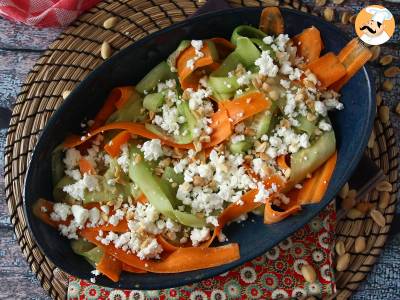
x: 221, y: 129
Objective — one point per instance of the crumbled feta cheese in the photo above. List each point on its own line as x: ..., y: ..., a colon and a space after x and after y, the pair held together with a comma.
x: 245, y: 79
x: 325, y: 126
x: 199, y: 235
x: 320, y: 108
x: 266, y: 65
x: 69, y: 231
x: 268, y: 40
x: 110, y: 237
x: 262, y: 193
x: 72, y: 157
x: 212, y: 220
x: 61, y: 211
x: 91, y: 182
x: 80, y: 214
x: 94, y: 216
x: 74, y: 174
x: 116, y: 217
x: 152, y: 149
x: 151, y: 249
x: 123, y: 159
x: 237, y: 138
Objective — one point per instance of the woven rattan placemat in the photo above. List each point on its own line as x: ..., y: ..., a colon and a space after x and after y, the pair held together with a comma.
x: 75, y: 53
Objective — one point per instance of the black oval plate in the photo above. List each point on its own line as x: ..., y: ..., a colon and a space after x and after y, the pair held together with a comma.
x: 352, y: 127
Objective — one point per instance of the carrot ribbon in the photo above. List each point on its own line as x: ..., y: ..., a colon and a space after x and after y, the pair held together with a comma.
x: 309, y: 44
x: 328, y: 69
x: 353, y: 56
x: 246, y: 106
x: 115, y: 100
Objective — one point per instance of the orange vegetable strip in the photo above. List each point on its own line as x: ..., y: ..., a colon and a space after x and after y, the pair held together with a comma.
x: 125, y: 93
x: 38, y: 210
x: 142, y: 199
x: 221, y: 126
x: 166, y: 245
x: 353, y: 56
x: 184, y: 71
x: 246, y: 106
x: 181, y: 260
x: 130, y: 269
x: 271, y: 21
x: 110, y: 267
x: 113, y: 147
x: 224, y: 47
x: 328, y: 69
x: 281, y: 161
x: 309, y: 44
x: 272, y: 216
x: 86, y: 167
x: 314, y: 188
x: 234, y: 210
x: 107, y: 109
x: 133, y: 128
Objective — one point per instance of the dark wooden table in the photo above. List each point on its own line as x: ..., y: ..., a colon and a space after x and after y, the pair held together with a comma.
x: 20, y: 47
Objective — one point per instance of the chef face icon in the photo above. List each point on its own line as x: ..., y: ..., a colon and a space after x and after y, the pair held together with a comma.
x: 375, y: 25
x: 372, y: 28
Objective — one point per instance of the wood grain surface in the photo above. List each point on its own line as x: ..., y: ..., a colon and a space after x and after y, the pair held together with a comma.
x: 20, y: 47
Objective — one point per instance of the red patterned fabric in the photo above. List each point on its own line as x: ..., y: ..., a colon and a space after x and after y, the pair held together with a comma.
x: 274, y: 275
x: 44, y: 13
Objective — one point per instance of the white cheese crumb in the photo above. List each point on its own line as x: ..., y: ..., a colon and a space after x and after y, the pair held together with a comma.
x: 80, y: 215
x: 266, y: 65
x: 60, y: 212
x: 325, y: 126
x: 72, y: 157
x: 152, y: 149
x: 199, y: 235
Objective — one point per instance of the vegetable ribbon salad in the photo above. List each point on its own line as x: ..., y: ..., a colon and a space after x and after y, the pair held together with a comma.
x: 218, y: 130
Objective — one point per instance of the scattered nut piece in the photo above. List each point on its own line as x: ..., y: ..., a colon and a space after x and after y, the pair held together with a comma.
x: 353, y: 19
x: 371, y: 140
x: 392, y: 72
x: 105, y: 50
x: 271, y: 2
x: 65, y: 94
x: 338, y: 1
x: 384, y: 113
x: 354, y: 213
x: 364, y: 207
x: 384, y: 186
x: 340, y: 248
x: 360, y: 244
x: 329, y: 14
x: 344, y: 191
x: 388, y: 85
x: 320, y: 2
x: 348, y: 202
x: 376, y: 50
x: 296, y: 4
x: 397, y: 109
x: 386, y: 60
x: 343, y: 262
x: 378, y: 98
x: 384, y: 200
x: 345, y: 17
x: 378, y: 218
x: 308, y: 273
x: 110, y: 22
x: 352, y: 193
